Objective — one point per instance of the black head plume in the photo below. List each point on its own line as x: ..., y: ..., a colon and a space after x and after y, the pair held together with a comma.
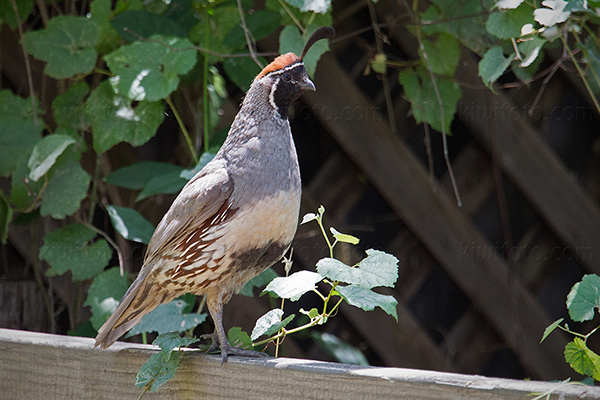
x: 324, y: 32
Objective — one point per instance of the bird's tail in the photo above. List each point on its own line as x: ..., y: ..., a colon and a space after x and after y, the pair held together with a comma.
x: 139, y: 300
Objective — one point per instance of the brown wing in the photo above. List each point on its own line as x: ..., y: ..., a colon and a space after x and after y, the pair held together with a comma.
x: 203, y: 196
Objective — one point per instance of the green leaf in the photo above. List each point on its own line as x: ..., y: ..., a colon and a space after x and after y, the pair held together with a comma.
x: 260, y: 24
x: 162, y: 184
x: 419, y: 90
x: 145, y: 24
x: 101, y: 13
x: 150, y: 70
x: 45, y: 153
x: 238, y: 338
x: 270, y: 323
x: 377, y: 269
x: 290, y: 40
x: 443, y: 54
x: 258, y: 281
x: 69, y: 248
x: 550, y: 328
x: 23, y: 191
x: 205, y: 158
x: 367, y: 299
x: 294, y: 286
x: 115, y: 119
x: 104, y: 294
x: 67, y: 45
x: 66, y: 189
x: 18, y: 132
x: 223, y: 19
x: 339, y: 349
x: 7, y: 12
x: 309, y: 217
x: 558, y: 11
x: 68, y: 107
x: 318, y: 6
x: 530, y: 50
x: 492, y: 65
x: 5, y: 217
x: 130, y: 224
x: 158, y: 370
x: 462, y: 19
x: 592, y: 57
x: 584, y: 298
x: 171, y: 341
x: 242, y: 70
x: 506, y: 24
x: 342, y: 237
x: 582, y: 359
x: 136, y: 176
x: 168, y: 318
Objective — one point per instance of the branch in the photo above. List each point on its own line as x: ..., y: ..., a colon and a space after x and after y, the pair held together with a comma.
x: 247, y: 35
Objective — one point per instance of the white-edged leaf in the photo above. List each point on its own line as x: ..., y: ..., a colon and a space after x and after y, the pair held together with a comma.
x: 343, y: 237
x: 377, y: 269
x: 294, y: 286
x: 45, y: 153
x: 308, y: 217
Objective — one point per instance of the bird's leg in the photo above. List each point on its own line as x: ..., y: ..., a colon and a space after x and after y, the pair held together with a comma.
x: 219, y: 338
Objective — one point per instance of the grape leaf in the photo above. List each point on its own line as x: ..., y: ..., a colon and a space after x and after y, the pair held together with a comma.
x: 130, y: 224
x: 150, y: 70
x: 492, y: 65
x: 419, y: 90
x: 136, y: 176
x: 377, y: 269
x: 506, y: 24
x: 550, y: 328
x: 339, y: 349
x: 69, y: 248
x: 104, y: 294
x: 116, y: 119
x: 582, y: 359
x: 270, y: 323
x: 68, y: 107
x: 367, y: 299
x: 67, y: 45
x: 168, y: 318
x: 443, y: 54
x: 584, y: 298
x: 66, y: 189
x: 342, y: 237
x: 158, y: 370
x: 45, y: 153
x: 7, y: 12
x: 318, y: 6
x: 172, y: 340
x: 293, y: 286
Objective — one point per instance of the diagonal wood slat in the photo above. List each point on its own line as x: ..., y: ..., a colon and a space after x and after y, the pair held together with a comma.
x: 433, y: 217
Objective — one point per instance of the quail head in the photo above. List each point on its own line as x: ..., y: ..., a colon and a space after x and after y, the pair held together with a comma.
x: 234, y: 218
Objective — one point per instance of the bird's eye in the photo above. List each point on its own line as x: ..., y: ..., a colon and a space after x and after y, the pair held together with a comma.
x: 287, y: 77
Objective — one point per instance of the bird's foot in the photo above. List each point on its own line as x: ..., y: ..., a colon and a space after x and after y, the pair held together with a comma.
x: 229, y: 350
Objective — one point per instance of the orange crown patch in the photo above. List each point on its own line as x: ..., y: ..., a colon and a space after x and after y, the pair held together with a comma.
x: 278, y: 63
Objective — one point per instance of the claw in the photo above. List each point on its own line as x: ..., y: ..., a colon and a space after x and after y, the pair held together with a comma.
x: 229, y: 350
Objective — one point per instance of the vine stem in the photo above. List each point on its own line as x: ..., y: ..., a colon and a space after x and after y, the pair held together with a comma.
x: 292, y: 16
x: 27, y: 63
x: 436, y: 89
x: 205, y: 114
x: 580, y: 72
x: 247, y: 34
x: 112, y: 243
x: 188, y: 139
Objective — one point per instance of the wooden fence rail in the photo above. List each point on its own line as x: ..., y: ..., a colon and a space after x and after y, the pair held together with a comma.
x: 43, y: 366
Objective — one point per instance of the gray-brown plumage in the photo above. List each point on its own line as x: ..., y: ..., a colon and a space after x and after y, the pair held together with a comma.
x: 236, y: 217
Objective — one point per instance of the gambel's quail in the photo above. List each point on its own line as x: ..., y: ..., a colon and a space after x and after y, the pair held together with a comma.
x: 236, y: 217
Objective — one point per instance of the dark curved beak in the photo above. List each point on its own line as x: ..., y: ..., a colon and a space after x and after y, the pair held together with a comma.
x: 306, y: 84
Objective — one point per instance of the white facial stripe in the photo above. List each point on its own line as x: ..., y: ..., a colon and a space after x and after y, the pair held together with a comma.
x: 294, y: 65
x: 272, y: 94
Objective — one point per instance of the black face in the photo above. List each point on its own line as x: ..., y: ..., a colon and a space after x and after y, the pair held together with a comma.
x: 288, y: 85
